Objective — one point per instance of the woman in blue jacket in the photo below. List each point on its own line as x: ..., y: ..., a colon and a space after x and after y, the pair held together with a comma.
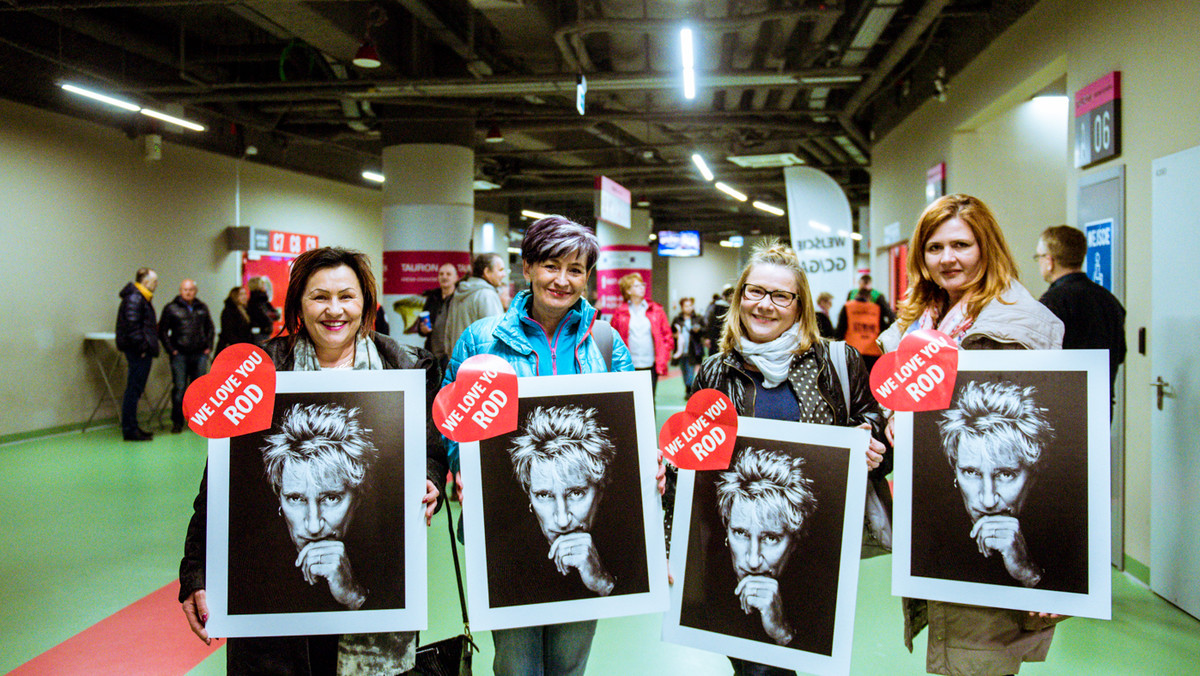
x: 547, y: 331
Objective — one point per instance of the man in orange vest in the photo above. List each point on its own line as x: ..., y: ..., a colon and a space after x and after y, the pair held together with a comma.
x: 864, y: 316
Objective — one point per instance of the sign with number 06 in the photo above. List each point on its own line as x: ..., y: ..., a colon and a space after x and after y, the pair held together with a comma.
x: 1098, y: 121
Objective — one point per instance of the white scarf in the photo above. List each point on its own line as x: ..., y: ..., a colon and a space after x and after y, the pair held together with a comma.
x: 366, y: 357
x: 773, y: 359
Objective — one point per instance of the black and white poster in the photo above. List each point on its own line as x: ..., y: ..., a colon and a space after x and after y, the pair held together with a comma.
x: 772, y: 548
x: 562, y: 516
x: 1002, y: 498
x: 315, y: 524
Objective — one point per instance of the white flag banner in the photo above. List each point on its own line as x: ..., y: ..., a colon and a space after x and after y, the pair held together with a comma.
x: 820, y: 222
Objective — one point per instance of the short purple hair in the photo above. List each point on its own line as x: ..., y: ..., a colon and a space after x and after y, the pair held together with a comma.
x: 557, y: 236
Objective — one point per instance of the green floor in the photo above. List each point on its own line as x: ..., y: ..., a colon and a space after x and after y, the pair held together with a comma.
x: 94, y: 524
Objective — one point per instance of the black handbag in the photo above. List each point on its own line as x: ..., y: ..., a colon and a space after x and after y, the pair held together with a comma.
x: 450, y: 656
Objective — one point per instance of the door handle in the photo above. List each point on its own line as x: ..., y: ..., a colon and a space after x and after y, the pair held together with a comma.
x: 1161, y: 385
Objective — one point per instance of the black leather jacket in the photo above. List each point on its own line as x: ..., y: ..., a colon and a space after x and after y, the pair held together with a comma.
x: 186, y: 330
x: 137, y: 330
x: 394, y: 356
x: 726, y: 372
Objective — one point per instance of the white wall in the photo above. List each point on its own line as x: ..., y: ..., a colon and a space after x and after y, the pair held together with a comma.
x: 701, y: 277
x: 1153, y: 43
x: 83, y: 210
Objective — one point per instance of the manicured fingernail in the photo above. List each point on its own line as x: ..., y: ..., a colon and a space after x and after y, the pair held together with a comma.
x: 204, y: 617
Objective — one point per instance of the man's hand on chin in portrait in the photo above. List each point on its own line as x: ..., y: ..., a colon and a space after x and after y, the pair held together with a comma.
x: 1001, y: 534
x: 761, y: 593
x: 577, y: 550
x: 327, y: 560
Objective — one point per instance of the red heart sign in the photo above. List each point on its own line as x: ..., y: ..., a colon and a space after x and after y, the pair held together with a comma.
x: 920, y: 375
x: 236, y: 397
x: 701, y: 435
x: 481, y: 402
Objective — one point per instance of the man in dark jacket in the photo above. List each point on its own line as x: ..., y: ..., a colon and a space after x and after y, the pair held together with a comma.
x: 1092, y: 316
x: 186, y: 330
x: 137, y: 337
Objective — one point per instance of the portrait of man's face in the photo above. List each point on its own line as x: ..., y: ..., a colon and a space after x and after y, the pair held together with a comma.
x: 316, y: 505
x: 562, y: 497
x: 993, y: 482
x: 759, y: 540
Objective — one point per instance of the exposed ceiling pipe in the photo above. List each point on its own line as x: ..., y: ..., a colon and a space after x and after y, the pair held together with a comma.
x: 464, y: 48
x: 907, y: 39
x: 110, y: 32
x: 567, y: 37
x: 510, y: 86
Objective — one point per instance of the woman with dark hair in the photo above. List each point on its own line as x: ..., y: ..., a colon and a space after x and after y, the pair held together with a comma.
x: 262, y: 313
x: 235, y: 321
x: 546, y: 331
x: 964, y: 284
x: 644, y: 327
x: 689, y: 329
x: 328, y: 314
x: 769, y: 340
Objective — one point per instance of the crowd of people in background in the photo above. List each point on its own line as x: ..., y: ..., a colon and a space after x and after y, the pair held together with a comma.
x: 762, y: 332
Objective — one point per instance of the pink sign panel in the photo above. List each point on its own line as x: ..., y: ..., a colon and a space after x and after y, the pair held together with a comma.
x: 411, y: 272
x: 615, y: 262
x: 1098, y: 93
x: 613, y: 202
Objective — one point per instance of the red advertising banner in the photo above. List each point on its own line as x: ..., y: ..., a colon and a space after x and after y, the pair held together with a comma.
x: 411, y: 272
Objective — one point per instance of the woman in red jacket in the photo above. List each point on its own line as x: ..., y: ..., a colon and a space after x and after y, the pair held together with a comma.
x: 644, y: 327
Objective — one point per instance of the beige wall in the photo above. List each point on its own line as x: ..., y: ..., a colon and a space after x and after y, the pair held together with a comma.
x: 1148, y: 41
x: 701, y: 277
x: 83, y: 209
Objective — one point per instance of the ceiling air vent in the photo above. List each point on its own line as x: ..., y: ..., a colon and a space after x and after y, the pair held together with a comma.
x: 765, y: 161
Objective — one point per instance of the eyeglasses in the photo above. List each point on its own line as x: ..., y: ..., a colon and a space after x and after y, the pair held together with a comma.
x: 1037, y: 257
x: 779, y: 298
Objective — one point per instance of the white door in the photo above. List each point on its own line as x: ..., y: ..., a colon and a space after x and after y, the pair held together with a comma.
x: 1175, y: 362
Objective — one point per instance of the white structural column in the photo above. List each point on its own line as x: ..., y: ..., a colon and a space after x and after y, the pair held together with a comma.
x: 622, y: 251
x: 428, y: 213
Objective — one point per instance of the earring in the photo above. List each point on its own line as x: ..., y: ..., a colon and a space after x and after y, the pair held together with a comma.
x: 530, y: 507
x: 280, y: 510
x: 956, y: 482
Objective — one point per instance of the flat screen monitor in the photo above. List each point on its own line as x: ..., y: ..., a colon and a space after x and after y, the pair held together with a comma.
x: 678, y: 243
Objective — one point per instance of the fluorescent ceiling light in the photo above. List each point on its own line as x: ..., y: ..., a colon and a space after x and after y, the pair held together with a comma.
x: 768, y: 208
x: 730, y: 191
x: 529, y: 213
x: 186, y: 124
x: 689, y: 83
x: 514, y: 250
x: 702, y: 166
x: 689, y: 63
x: 481, y: 184
x: 737, y: 240
x: 852, y: 235
x: 766, y: 161
x: 872, y: 26
x: 830, y: 79
x: 653, y: 236
x: 101, y: 97
x: 373, y: 176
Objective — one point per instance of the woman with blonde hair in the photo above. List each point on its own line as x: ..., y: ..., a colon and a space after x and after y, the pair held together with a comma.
x: 644, y: 328
x: 964, y: 284
x: 770, y: 340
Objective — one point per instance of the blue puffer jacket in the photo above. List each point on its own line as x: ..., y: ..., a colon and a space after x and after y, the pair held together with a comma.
x: 502, y: 336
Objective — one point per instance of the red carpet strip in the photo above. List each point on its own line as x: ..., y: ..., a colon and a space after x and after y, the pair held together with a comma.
x: 148, y: 637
